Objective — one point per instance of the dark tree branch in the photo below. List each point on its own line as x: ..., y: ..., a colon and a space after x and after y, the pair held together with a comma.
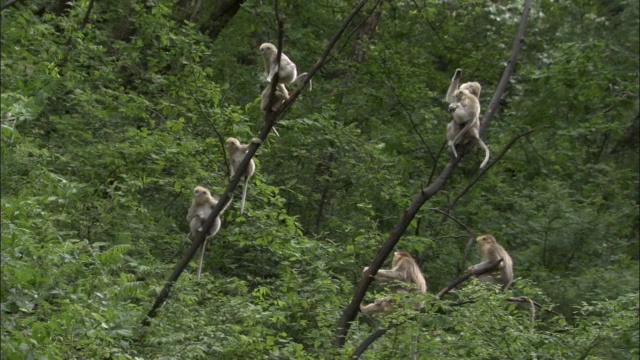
x: 508, y: 71
x: 86, y: 15
x: 524, y: 299
x: 351, y: 311
x: 323, y: 57
x: 413, y: 123
x: 270, y: 119
x: 378, y: 333
x: 469, y: 231
x: 7, y: 4
x: 479, y: 175
x: 476, y: 271
x: 369, y: 340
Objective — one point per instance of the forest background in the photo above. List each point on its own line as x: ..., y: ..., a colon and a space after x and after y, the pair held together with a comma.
x: 112, y: 111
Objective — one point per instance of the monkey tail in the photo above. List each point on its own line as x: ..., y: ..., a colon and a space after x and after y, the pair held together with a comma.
x: 486, y: 152
x: 506, y: 286
x: 464, y: 130
x: 244, y: 194
x: 508, y: 274
x: 204, y: 244
x: 302, y: 76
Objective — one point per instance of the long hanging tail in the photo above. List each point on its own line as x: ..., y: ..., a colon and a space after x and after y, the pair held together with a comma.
x: 464, y: 130
x: 204, y: 245
x: 486, y: 152
x: 244, y: 194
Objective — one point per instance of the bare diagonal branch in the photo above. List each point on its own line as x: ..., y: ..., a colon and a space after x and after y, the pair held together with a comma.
x: 270, y: 119
x: 351, y: 311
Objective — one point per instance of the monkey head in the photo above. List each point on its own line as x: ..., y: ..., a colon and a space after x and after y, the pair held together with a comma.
x: 268, y: 48
x: 485, y: 240
x: 472, y: 87
x: 200, y: 193
x: 232, y: 144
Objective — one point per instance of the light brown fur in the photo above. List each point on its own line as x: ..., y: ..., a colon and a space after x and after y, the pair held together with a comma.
x: 279, y: 97
x: 286, y: 69
x: 491, y: 251
x: 403, y: 270
x: 465, y: 108
x: 237, y: 151
x: 201, y: 207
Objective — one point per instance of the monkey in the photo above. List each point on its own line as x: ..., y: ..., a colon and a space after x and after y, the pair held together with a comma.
x: 200, y: 209
x: 286, y: 70
x: 491, y: 251
x: 280, y: 96
x: 236, y: 154
x: 403, y: 270
x: 464, y: 106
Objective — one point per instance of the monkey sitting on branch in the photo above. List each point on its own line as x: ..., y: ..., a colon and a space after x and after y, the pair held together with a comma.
x: 200, y: 209
x: 491, y: 251
x: 404, y: 271
x: 464, y: 106
x: 237, y: 151
x: 286, y: 69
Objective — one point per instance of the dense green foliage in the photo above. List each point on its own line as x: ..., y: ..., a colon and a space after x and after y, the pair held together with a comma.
x: 113, y: 111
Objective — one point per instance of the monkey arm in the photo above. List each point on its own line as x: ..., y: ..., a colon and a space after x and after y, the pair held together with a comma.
x: 377, y: 306
x: 453, y: 86
x: 484, y: 266
x: 273, y: 71
x: 385, y: 275
x: 465, y: 129
x: 191, y: 214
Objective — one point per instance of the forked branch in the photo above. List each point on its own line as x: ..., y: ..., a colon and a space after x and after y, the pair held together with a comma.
x: 351, y: 311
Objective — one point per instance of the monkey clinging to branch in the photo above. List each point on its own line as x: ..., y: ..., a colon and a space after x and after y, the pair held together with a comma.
x: 280, y: 96
x: 491, y: 251
x: 464, y: 105
x: 404, y: 271
x: 286, y: 69
x: 237, y: 151
x: 200, y: 209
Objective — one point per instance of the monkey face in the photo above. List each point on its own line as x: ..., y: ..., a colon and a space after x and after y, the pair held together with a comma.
x: 485, y: 239
x: 232, y: 143
x: 267, y: 48
x: 200, y: 192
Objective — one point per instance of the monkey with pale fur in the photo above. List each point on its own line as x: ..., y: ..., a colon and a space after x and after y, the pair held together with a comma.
x: 280, y: 96
x: 200, y: 209
x: 286, y: 69
x: 464, y: 106
x: 237, y: 151
x: 491, y: 251
x: 404, y: 270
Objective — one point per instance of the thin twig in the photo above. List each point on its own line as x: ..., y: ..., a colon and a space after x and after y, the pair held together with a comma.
x: 479, y: 175
x: 469, y: 231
